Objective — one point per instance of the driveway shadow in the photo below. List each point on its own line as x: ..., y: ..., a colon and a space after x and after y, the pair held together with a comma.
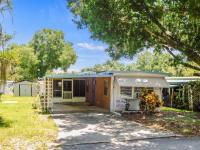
x: 89, y: 128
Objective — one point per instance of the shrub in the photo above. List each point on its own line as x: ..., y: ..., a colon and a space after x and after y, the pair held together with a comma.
x: 149, y: 101
x: 181, y: 103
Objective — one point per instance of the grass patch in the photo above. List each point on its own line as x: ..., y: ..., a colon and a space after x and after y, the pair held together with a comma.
x: 168, y: 109
x: 179, y: 121
x: 21, y: 127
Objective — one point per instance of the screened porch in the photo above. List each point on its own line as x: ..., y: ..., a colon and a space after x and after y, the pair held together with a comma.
x: 69, y: 90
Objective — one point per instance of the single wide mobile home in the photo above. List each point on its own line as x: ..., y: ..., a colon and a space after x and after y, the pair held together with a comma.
x: 108, y: 90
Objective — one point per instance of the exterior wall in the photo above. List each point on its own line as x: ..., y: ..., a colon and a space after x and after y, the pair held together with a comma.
x: 102, y: 100
x: 119, y: 103
x: 89, y: 94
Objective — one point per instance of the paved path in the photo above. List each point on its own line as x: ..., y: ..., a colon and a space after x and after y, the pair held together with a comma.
x: 90, y: 128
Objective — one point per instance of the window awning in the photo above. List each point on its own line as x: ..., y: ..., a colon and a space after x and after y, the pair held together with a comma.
x: 143, y: 82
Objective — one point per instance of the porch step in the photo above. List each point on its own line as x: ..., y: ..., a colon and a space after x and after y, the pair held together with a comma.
x: 74, y: 103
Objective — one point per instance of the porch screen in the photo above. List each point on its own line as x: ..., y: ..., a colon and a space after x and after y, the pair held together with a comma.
x: 79, y: 88
x: 57, y: 88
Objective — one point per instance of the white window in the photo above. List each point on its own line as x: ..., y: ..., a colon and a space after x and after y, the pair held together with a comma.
x: 126, y: 92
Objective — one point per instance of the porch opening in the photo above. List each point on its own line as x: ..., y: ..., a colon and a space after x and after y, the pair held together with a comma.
x: 79, y: 88
x: 57, y: 88
x: 69, y: 90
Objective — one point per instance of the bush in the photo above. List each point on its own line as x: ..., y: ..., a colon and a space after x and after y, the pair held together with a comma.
x: 181, y: 103
x: 149, y: 101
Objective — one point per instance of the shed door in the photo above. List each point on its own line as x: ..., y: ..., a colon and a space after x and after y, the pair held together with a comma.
x: 25, y: 90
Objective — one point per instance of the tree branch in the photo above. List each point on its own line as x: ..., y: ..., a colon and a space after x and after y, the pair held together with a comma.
x: 181, y: 62
x: 172, y: 41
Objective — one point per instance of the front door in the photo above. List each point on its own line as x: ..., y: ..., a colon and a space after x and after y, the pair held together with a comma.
x: 67, y: 89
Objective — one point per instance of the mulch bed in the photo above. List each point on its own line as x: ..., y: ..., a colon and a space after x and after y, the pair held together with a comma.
x: 173, y: 121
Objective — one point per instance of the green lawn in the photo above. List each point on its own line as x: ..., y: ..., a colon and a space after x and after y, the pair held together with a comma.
x: 21, y: 127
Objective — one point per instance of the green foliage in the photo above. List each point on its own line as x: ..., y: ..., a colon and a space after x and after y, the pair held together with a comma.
x: 19, y: 121
x: 25, y: 66
x: 161, y: 62
x: 146, y: 61
x: 149, y: 101
x: 108, y: 66
x: 5, y: 5
x: 52, y: 51
x: 68, y: 56
x: 130, y: 26
x: 46, y: 51
x: 191, y: 98
x: 181, y: 102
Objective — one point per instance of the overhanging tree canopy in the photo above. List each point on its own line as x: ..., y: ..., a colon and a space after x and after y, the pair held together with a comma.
x: 130, y: 26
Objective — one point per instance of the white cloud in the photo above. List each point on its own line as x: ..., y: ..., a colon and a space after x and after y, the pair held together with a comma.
x: 91, y: 46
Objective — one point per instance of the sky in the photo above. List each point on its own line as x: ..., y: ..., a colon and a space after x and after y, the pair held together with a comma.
x: 29, y: 16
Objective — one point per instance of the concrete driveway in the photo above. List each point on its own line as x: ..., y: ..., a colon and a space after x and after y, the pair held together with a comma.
x: 95, y: 128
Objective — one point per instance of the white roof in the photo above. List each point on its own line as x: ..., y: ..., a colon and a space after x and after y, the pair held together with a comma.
x: 143, y: 82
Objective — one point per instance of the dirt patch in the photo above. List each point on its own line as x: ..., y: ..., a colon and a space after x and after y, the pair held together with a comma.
x: 184, y: 123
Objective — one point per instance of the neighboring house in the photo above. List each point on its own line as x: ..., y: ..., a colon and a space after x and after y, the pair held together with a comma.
x: 108, y: 90
x: 25, y: 88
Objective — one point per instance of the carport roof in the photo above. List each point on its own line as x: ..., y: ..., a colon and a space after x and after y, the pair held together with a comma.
x: 175, y: 81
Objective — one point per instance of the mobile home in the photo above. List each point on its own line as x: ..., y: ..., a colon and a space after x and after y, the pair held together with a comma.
x: 108, y: 90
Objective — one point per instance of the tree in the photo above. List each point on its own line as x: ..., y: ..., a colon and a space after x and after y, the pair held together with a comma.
x: 108, y: 66
x: 130, y: 26
x: 146, y: 61
x: 25, y: 63
x: 52, y: 51
x: 5, y: 5
x: 156, y: 62
x: 68, y: 57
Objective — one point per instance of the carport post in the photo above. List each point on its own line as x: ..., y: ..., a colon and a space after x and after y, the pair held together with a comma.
x: 112, y: 108
x: 169, y: 96
x: 172, y: 96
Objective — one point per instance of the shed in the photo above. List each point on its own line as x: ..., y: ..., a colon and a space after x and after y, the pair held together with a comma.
x: 25, y: 88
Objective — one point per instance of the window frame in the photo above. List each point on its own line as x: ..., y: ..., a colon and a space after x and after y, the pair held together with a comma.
x: 127, y: 96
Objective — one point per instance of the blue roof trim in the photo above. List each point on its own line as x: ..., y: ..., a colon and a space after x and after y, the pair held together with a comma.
x: 93, y: 74
x: 80, y: 75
